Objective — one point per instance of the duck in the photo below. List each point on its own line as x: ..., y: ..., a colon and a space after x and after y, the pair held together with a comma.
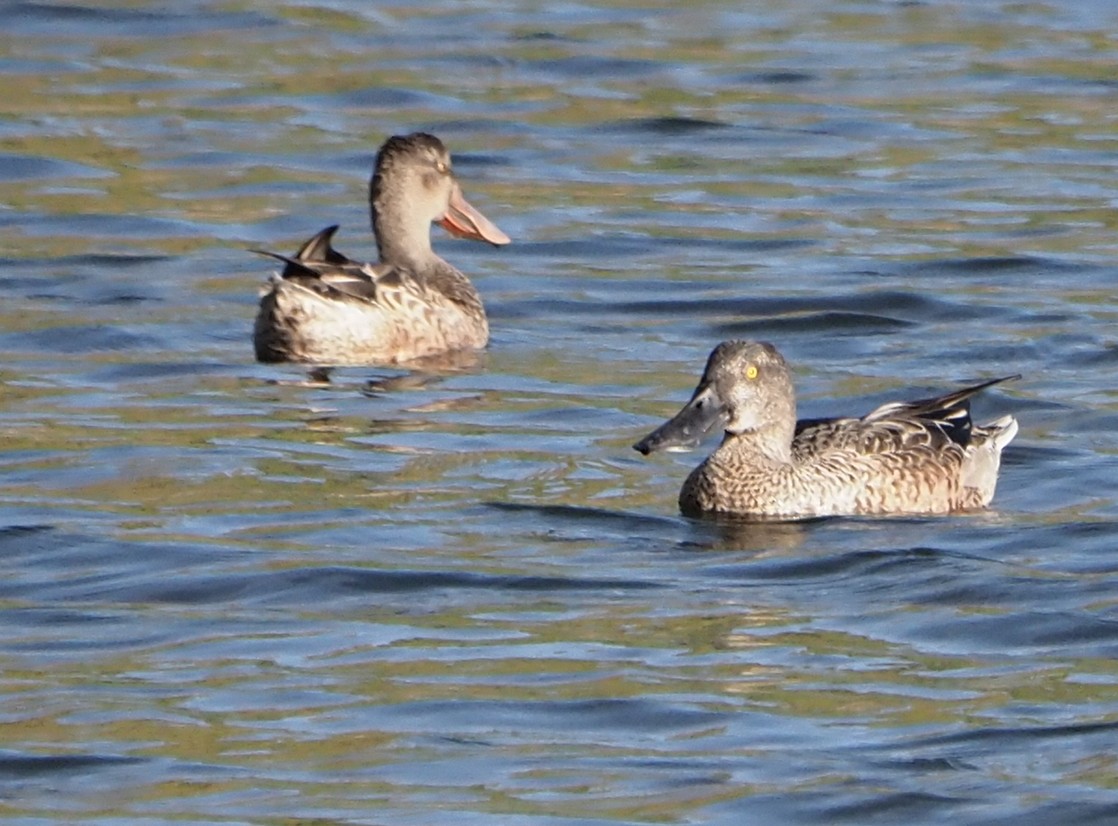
x: 326, y: 309
x: 923, y: 457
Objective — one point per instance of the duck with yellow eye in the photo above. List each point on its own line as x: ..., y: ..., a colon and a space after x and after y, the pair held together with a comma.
x: 919, y: 457
x: 325, y: 309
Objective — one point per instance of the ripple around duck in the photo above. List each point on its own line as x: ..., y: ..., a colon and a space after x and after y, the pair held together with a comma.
x: 592, y: 67
x: 996, y: 265
x: 1055, y: 633
x: 179, y: 574
x: 340, y: 581
x: 107, y: 21
x: 35, y: 168
x: 817, y: 322
x: 632, y: 246
x: 20, y: 767
x: 775, y: 78
x: 460, y: 590
x: 377, y: 97
x: 556, y: 720
x: 600, y: 518
x: 900, y: 308
x: 849, y: 565
x: 994, y: 739
x: 677, y: 125
x: 106, y: 226
x: 80, y: 339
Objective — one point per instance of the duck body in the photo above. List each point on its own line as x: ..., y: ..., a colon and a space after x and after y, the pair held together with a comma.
x: 325, y: 308
x: 919, y: 457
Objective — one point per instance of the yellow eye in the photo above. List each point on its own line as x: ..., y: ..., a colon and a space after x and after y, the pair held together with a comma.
x: 751, y: 372
x: 442, y: 167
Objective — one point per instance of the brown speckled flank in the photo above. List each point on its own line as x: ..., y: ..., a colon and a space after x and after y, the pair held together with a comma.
x: 920, y: 457
x: 324, y: 308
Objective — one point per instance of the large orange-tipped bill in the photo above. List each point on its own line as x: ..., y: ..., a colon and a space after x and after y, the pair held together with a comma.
x: 463, y: 220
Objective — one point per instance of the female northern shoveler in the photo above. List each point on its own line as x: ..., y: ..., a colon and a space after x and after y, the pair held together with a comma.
x: 920, y: 457
x: 325, y: 308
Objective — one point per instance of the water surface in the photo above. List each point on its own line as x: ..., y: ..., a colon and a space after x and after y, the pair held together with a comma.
x: 233, y: 594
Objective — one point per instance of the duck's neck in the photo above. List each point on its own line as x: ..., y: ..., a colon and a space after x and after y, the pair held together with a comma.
x: 402, y: 239
x: 768, y: 444
x: 404, y: 243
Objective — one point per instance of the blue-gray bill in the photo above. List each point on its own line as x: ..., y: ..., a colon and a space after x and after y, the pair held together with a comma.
x: 687, y: 428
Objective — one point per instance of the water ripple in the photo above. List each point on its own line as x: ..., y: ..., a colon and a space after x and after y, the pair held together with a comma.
x: 260, y: 593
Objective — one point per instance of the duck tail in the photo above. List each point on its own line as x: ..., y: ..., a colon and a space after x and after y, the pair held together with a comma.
x: 983, y: 459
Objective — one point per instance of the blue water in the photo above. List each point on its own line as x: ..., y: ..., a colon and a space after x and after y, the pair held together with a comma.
x: 235, y: 593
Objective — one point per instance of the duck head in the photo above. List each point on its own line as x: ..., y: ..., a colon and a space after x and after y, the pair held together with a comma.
x: 413, y: 186
x: 746, y: 388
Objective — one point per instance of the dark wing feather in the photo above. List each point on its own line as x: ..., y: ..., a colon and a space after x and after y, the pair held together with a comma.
x: 319, y: 248
x: 933, y: 422
x: 319, y: 267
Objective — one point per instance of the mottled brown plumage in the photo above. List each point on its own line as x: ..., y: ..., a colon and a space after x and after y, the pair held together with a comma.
x: 324, y: 308
x: 920, y: 457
